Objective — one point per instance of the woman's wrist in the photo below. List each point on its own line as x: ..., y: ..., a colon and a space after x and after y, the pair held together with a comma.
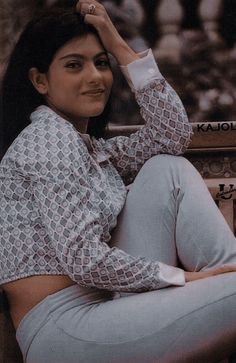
x: 123, y: 53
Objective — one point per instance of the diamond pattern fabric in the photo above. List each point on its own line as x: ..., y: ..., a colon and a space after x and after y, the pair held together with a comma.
x: 61, y: 193
x: 166, y: 130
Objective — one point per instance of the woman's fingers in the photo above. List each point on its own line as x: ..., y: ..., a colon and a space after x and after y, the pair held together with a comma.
x: 95, y: 14
x: 90, y: 7
x: 225, y: 268
x: 191, y: 276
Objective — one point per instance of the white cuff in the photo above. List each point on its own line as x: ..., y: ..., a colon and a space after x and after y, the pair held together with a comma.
x: 170, y: 275
x: 141, y: 71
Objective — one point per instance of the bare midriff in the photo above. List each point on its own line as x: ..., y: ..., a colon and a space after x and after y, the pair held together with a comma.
x: 25, y: 293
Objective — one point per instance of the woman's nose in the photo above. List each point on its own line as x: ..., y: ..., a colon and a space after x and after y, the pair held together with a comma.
x: 93, y: 75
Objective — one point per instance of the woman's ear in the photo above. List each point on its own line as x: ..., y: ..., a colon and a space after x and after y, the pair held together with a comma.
x: 39, y: 80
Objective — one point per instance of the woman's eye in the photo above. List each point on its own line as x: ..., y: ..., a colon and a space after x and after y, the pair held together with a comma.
x: 73, y: 65
x: 103, y: 63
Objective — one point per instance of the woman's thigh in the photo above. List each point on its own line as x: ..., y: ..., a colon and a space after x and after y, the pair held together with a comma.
x: 170, y: 216
x: 146, y: 225
x: 194, y: 323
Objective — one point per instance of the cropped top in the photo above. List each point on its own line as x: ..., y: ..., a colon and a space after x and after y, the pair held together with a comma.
x: 61, y: 192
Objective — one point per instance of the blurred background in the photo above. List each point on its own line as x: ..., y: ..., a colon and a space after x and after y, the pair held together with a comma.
x: 194, y: 43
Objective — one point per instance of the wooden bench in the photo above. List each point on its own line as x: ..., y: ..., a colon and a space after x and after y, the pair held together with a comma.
x: 214, y: 143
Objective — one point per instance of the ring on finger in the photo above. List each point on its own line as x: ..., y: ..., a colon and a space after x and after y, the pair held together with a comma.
x: 91, y: 9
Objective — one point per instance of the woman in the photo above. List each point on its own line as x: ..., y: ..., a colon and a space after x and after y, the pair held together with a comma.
x: 67, y: 264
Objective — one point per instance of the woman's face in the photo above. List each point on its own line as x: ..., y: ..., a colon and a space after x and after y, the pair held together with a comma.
x: 79, y: 80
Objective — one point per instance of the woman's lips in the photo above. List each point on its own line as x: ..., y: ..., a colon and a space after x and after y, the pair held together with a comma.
x: 94, y: 92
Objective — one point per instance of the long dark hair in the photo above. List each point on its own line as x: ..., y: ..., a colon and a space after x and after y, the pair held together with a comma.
x: 36, y: 47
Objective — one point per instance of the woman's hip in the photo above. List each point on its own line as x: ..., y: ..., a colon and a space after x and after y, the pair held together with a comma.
x: 52, y: 308
x: 134, y: 329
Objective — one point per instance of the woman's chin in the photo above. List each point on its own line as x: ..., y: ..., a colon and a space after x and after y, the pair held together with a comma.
x: 96, y: 113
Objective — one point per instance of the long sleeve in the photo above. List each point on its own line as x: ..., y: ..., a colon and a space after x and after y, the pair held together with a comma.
x: 77, y: 208
x: 166, y: 128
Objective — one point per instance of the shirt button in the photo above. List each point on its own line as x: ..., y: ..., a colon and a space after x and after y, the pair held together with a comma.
x: 151, y: 70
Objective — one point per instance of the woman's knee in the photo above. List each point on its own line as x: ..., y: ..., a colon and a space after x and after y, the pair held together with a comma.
x: 165, y: 163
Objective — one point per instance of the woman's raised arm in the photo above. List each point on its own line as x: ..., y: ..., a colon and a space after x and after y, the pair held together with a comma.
x: 95, y: 14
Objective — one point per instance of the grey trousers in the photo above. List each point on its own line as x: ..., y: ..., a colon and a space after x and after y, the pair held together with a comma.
x: 170, y: 216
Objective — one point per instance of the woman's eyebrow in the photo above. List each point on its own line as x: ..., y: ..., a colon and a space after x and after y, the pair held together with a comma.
x: 81, y: 56
x: 100, y: 54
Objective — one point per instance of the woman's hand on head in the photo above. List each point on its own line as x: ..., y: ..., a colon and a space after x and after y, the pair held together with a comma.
x: 96, y: 15
x: 191, y: 276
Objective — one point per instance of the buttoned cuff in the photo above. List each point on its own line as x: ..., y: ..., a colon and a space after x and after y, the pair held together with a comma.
x: 141, y: 71
x: 170, y: 275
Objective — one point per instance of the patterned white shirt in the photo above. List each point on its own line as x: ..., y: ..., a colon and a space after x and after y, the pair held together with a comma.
x: 61, y: 192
